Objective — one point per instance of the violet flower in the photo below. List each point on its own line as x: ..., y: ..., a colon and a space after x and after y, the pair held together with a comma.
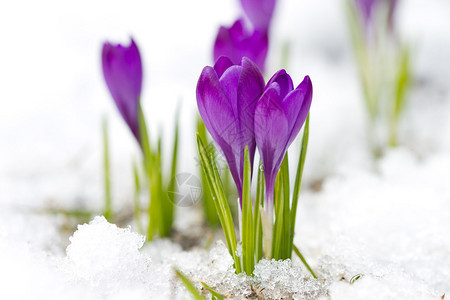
x: 367, y: 8
x: 259, y: 12
x: 279, y: 116
x: 240, y: 41
x: 227, y: 95
x: 122, y: 69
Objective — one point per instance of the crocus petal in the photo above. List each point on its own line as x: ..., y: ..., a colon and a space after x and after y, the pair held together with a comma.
x: 259, y: 12
x: 221, y: 65
x: 213, y: 104
x: 367, y: 8
x: 249, y: 90
x: 238, y: 41
x: 257, y: 47
x: 296, y: 107
x: 217, y: 113
x: 284, y: 81
x: 122, y: 70
x: 227, y: 105
x: 227, y: 44
x: 229, y: 82
x: 271, y: 134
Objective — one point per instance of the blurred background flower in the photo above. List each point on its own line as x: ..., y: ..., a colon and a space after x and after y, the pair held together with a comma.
x: 122, y: 69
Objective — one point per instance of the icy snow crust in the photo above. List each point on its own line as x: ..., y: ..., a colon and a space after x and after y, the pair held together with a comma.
x: 388, y: 222
x: 107, y: 260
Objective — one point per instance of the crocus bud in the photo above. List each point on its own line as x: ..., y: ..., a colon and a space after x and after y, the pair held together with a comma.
x: 226, y: 97
x: 279, y: 116
x: 240, y: 41
x: 259, y: 12
x: 122, y: 69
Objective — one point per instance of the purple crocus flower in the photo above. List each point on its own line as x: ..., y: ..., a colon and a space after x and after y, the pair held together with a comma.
x: 259, y: 12
x: 367, y: 8
x: 279, y: 116
x: 240, y: 41
x: 122, y: 69
x: 227, y: 95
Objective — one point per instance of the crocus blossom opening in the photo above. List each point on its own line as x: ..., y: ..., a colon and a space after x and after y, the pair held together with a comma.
x: 122, y: 70
x: 279, y: 116
x: 240, y: 41
x: 227, y: 95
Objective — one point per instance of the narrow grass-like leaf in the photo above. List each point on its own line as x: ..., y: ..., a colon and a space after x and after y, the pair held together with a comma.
x: 257, y: 218
x: 402, y: 83
x: 354, y: 278
x: 145, y: 141
x: 208, y: 204
x: 170, y: 207
x: 248, y: 253
x: 214, y: 294
x: 286, y: 209
x: 304, y: 261
x: 221, y: 203
x: 137, y: 202
x: 148, y: 162
x: 403, y: 80
x: 279, y: 211
x: 162, y: 205
x: 189, y: 286
x: 298, y: 181
x: 108, y: 213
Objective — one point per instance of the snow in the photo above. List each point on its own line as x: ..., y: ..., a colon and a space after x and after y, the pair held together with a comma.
x: 387, y: 221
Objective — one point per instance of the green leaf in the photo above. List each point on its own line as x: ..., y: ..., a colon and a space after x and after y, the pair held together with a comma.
x: 354, y: 278
x: 169, y: 205
x: 137, y: 203
x: 298, y: 181
x: 304, y: 261
x: 213, y: 292
x: 209, y: 169
x: 108, y: 213
x: 258, y: 205
x: 145, y: 141
x: 189, y: 286
x: 279, y: 211
x: 286, y: 210
x: 148, y: 162
x: 208, y: 204
x: 248, y: 254
x: 160, y: 198
x: 403, y: 80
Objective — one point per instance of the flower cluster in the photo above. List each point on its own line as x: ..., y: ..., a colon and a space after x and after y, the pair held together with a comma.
x: 239, y: 110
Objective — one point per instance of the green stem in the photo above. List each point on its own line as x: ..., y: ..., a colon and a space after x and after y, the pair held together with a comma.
x: 137, y: 202
x: 108, y: 213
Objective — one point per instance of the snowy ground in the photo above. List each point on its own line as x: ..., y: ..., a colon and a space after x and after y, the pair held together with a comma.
x: 389, y: 221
